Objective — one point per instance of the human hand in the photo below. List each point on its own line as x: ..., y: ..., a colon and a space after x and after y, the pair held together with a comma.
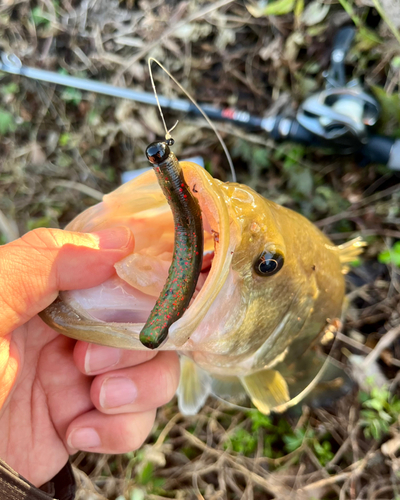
x: 58, y: 395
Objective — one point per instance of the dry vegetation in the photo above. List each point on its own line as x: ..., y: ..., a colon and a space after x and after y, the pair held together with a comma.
x: 61, y: 149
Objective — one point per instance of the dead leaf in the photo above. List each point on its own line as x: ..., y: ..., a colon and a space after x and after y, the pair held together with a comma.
x: 293, y: 44
x: 314, y: 13
x: 367, y: 376
x: 387, y: 357
x: 132, y: 128
x: 193, y: 31
x: 37, y: 156
x: 391, y: 447
x: 225, y: 37
x: 272, y: 51
x: 265, y: 8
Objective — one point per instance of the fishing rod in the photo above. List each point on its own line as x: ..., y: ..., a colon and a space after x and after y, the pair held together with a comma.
x: 340, y: 117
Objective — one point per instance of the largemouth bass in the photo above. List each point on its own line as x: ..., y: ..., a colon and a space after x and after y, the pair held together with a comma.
x: 269, y: 285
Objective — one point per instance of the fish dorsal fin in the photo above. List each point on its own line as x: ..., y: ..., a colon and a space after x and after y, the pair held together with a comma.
x: 348, y: 252
x: 267, y: 389
x: 194, y: 387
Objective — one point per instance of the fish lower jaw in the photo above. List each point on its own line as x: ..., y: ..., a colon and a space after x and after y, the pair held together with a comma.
x: 127, y: 305
x: 112, y: 313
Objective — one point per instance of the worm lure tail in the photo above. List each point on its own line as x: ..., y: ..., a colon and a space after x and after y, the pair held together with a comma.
x: 188, y: 248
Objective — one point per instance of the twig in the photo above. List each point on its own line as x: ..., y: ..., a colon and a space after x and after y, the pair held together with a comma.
x: 327, y: 481
x: 97, y: 195
x: 379, y: 492
x: 272, y: 485
x: 342, y: 215
x: 365, y: 232
x: 353, y: 481
x: 362, y: 347
x: 156, y: 497
x: 164, y: 433
x: 383, y: 343
x: 340, y: 451
x: 365, y: 201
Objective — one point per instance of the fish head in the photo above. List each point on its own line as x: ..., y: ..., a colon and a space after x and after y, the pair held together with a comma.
x: 283, y: 284
x: 268, y: 276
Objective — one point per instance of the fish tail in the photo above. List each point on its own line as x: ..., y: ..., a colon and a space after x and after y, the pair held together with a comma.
x: 348, y: 252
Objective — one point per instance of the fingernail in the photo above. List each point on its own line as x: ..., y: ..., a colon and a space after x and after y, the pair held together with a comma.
x: 84, y: 438
x: 117, y: 391
x: 115, y: 238
x: 99, y: 357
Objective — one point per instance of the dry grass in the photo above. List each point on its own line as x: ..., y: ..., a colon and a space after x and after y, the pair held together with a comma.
x: 60, y: 149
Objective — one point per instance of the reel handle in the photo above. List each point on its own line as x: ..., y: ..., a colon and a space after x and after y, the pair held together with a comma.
x: 336, y: 76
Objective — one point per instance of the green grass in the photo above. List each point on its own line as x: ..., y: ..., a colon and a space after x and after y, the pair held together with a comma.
x: 380, y: 410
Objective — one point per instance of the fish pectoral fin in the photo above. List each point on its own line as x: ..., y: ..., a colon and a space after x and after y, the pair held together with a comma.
x: 194, y: 387
x: 267, y: 389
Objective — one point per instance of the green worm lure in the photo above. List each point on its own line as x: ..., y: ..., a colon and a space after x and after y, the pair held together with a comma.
x: 188, y: 247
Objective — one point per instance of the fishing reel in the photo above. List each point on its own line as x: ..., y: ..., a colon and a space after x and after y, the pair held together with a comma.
x: 341, y: 115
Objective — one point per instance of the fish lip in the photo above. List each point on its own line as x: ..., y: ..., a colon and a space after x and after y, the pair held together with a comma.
x: 215, y: 210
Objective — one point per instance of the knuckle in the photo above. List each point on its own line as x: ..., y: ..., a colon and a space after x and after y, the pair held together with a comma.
x: 168, y: 380
x: 40, y: 241
x: 40, y: 244
x: 39, y: 236
x: 134, y: 433
x: 136, y: 358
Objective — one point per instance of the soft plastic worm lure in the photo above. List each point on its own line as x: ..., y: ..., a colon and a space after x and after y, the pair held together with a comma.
x: 188, y: 248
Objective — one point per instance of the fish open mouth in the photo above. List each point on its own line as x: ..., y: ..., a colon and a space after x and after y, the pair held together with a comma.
x: 124, y: 302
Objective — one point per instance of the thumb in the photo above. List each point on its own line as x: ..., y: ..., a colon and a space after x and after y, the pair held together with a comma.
x: 36, y: 267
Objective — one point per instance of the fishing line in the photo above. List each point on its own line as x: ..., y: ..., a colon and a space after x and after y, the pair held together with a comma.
x: 224, y: 147
x: 306, y: 391
x: 168, y: 136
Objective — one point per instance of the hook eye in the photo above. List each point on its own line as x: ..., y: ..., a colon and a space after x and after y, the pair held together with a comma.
x: 11, y: 60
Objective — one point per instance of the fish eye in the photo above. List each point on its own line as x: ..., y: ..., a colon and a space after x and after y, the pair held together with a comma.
x: 268, y: 263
